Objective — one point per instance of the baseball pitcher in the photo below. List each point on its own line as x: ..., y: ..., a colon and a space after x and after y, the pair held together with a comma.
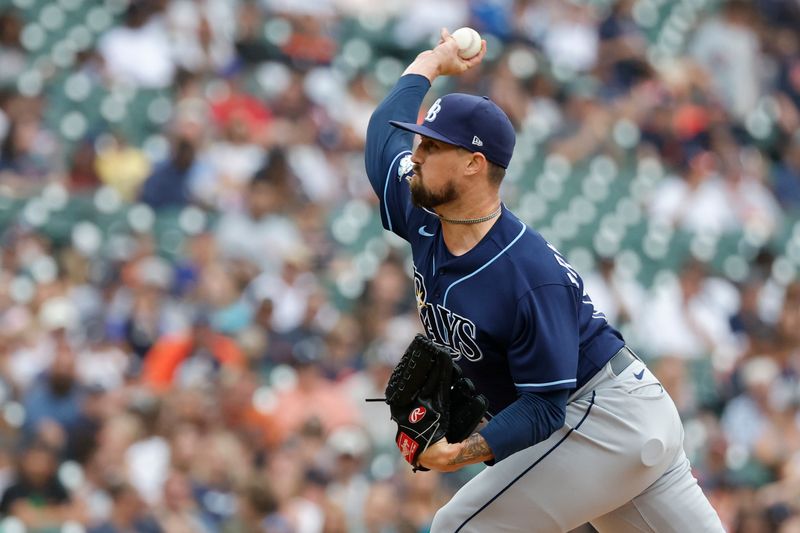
x: 578, y: 428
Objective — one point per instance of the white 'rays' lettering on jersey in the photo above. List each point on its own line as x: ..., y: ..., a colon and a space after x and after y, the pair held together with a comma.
x: 444, y: 326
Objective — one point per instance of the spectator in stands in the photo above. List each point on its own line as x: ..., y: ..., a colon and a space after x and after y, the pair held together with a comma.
x: 313, y: 396
x: 192, y: 359
x: 235, y: 158
x: 201, y: 34
x: 698, y: 201
x: 128, y: 514
x: 758, y: 336
x: 380, y: 512
x: 349, y: 488
x: 688, y: 320
x: 258, y: 510
x: 53, y: 404
x: 251, y: 46
x: 788, y: 329
x: 727, y: 46
x: 571, y: 40
x: 172, y: 181
x: 585, y: 122
x: 24, y: 156
x: 786, y: 177
x: 179, y: 510
x: 746, y: 416
x: 82, y: 173
x: 121, y: 165
x: 261, y: 234
x: 37, y: 497
x: 621, y: 57
x: 140, y: 452
x: 139, y: 51
x: 753, y: 203
x: 13, y: 59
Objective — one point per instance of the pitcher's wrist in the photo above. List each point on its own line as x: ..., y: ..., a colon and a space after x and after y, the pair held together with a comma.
x: 427, y: 65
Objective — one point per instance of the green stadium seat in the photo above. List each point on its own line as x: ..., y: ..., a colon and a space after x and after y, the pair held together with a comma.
x: 33, y: 37
x: 52, y: 18
x: 98, y: 19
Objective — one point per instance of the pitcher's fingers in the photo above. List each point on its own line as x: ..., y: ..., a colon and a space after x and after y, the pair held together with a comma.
x: 443, y: 35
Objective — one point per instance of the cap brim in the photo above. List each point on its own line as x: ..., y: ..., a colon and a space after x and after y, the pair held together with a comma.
x: 421, y: 129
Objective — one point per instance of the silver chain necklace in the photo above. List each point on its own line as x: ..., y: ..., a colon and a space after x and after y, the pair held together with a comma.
x: 490, y: 216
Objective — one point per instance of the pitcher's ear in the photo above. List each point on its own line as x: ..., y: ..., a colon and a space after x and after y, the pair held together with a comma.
x: 477, y: 163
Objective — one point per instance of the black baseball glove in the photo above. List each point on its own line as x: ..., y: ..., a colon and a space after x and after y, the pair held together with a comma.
x: 467, y: 407
x: 430, y: 399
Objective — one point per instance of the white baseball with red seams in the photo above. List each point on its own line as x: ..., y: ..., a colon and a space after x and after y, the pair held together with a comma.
x: 469, y: 42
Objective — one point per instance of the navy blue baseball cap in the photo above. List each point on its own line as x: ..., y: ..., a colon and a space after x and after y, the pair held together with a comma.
x: 474, y: 123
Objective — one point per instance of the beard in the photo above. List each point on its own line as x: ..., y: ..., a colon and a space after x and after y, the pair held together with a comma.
x: 427, y: 199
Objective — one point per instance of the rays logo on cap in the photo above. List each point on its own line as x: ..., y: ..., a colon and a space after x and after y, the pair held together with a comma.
x: 474, y: 123
x: 434, y: 110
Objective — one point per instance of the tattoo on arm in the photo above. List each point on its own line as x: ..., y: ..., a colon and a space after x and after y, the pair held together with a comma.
x: 474, y: 450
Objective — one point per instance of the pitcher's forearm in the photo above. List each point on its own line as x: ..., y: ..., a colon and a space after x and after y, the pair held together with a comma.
x: 449, y: 457
x: 474, y: 449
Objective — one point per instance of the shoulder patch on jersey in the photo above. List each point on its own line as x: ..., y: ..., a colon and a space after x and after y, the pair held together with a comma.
x: 405, y: 167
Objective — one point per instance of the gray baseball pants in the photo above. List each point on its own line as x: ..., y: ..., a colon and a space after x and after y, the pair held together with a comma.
x: 618, y: 463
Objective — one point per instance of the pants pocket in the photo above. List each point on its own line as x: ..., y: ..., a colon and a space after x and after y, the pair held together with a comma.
x: 647, y: 390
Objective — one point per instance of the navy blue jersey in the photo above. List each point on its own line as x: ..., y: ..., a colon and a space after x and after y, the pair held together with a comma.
x: 512, y: 307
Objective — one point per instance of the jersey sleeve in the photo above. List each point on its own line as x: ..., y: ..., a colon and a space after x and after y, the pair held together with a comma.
x: 388, y: 151
x: 544, y: 353
x: 533, y: 417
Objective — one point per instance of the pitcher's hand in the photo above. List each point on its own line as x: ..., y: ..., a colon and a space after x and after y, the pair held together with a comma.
x: 443, y: 59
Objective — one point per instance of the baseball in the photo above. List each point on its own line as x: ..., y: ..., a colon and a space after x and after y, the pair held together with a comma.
x: 469, y: 42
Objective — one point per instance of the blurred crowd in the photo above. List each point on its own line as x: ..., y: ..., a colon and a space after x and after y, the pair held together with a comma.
x: 221, y: 388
